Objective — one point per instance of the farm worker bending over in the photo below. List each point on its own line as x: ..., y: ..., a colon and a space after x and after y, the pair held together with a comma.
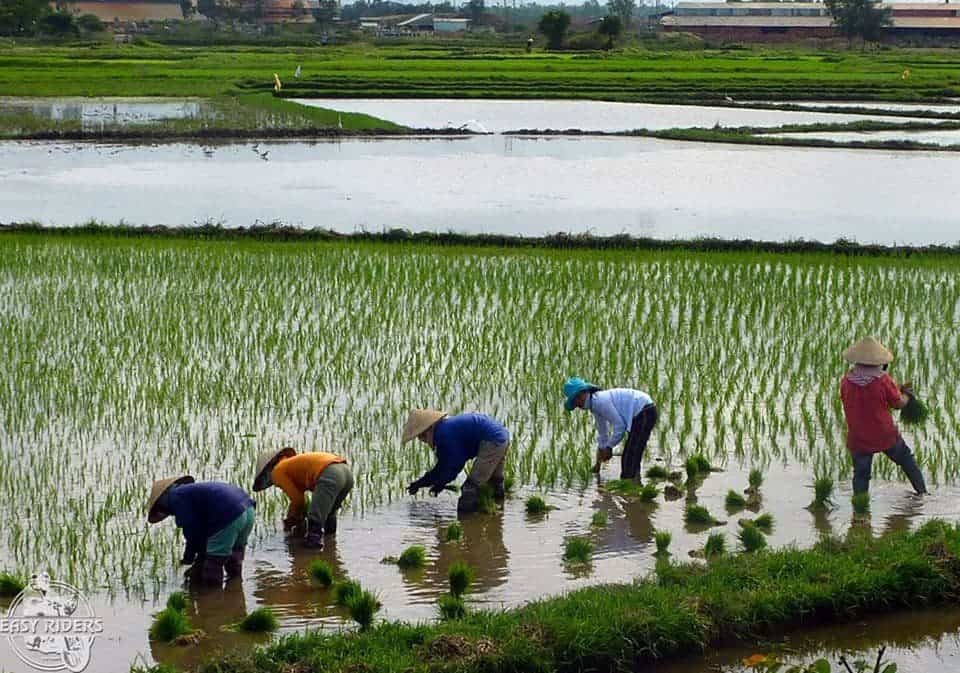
x: 324, y: 474
x: 615, y: 411
x: 457, y: 439
x: 216, y: 520
x: 868, y: 393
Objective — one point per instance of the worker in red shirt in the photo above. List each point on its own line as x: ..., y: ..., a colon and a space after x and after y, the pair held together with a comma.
x: 868, y: 393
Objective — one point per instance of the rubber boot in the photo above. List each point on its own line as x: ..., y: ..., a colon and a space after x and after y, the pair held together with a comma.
x: 499, y: 491
x: 235, y: 564
x: 330, y: 525
x: 212, y: 573
x: 469, y: 498
x: 314, y: 537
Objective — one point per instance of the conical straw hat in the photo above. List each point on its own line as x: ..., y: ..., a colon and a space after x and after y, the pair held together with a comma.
x: 868, y: 351
x: 419, y: 421
x: 158, y: 489
x: 265, y: 463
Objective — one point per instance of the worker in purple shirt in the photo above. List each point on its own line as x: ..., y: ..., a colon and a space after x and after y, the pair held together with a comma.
x: 616, y: 412
x: 216, y: 520
x: 457, y: 439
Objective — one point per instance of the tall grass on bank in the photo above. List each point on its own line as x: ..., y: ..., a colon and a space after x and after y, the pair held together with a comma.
x: 685, y: 608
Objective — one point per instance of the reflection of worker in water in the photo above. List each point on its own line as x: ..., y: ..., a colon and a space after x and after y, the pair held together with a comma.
x: 216, y: 520
x: 481, y: 547
x: 325, y: 475
x: 293, y: 587
x: 629, y: 523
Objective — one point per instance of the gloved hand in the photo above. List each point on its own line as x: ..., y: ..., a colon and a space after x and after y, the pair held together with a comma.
x: 413, y: 488
x: 435, y: 490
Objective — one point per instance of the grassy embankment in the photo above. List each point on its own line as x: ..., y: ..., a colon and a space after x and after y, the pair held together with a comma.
x: 646, y: 75
x: 683, y: 608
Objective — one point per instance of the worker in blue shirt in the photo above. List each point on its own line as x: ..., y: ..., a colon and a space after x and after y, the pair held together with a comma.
x: 457, y: 439
x: 216, y: 520
x: 617, y: 412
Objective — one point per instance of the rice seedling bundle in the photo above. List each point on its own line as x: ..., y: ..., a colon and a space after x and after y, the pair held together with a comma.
x: 363, y: 607
x: 261, y: 620
x: 715, y: 546
x: 451, y: 607
x: 599, y: 520
x: 177, y: 601
x: 414, y: 556
x: 536, y: 505
x: 460, y: 576
x: 10, y: 585
x: 861, y: 503
x: 916, y: 412
x: 755, y: 479
x: 752, y: 539
x: 822, y: 492
x: 577, y: 550
x: 649, y: 493
x: 699, y: 515
x: 661, y: 539
x: 321, y: 572
x: 734, y: 501
x: 169, y: 624
x: 657, y: 472
x: 453, y: 532
x: 344, y: 591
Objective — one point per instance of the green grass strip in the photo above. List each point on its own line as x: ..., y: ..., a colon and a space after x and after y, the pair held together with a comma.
x: 684, y: 608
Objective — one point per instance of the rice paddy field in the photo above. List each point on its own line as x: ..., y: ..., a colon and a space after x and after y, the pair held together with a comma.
x: 127, y: 359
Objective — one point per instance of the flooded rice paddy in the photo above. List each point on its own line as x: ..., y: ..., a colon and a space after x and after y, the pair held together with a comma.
x: 501, y: 116
x: 130, y: 360
x: 524, y: 186
x: 945, y: 138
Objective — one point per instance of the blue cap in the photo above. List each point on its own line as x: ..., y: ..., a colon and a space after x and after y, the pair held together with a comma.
x: 573, y: 387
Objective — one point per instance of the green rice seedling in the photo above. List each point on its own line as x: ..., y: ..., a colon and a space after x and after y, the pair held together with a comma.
x: 915, y: 412
x: 734, y: 501
x: 822, y: 493
x: 715, y: 546
x: 697, y: 515
x: 363, y: 607
x: 486, y: 502
x: 751, y: 538
x: 661, y: 539
x: 577, y: 550
x: 649, y: 493
x: 755, y: 479
x: 460, y: 576
x: 536, y: 505
x: 261, y: 620
x: 177, y: 601
x: 702, y: 464
x: 453, y: 532
x: 414, y: 556
x: 508, y: 483
x: 170, y: 624
x: 657, y: 472
x: 321, y: 572
x: 451, y: 607
x: 599, y: 520
x: 344, y: 591
x: 625, y: 487
x: 861, y: 503
x: 10, y: 585
x: 764, y: 522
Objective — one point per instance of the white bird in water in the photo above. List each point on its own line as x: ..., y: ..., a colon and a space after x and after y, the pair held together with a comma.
x: 728, y: 99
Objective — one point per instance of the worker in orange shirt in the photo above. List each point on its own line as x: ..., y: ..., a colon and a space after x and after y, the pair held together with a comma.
x: 325, y: 475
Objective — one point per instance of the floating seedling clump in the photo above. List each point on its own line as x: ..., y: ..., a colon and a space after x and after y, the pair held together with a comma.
x: 697, y: 467
x: 169, y: 625
x: 697, y: 515
x: 10, y: 585
x: 752, y: 539
x: 536, y: 505
x: 177, y: 601
x: 344, y: 591
x: 626, y: 487
x: 413, y: 557
x: 755, y: 480
x: 486, y: 501
x: 453, y: 532
x: 715, y: 546
x: 822, y: 493
x: 599, y: 520
x: 261, y: 620
x: 734, y: 501
x: 363, y: 607
x: 577, y: 550
x: 661, y: 539
x: 861, y: 503
x: 321, y: 572
x: 657, y: 472
x: 649, y: 493
x: 460, y: 576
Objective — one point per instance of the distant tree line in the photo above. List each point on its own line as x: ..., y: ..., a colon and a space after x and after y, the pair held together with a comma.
x: 29, y: 18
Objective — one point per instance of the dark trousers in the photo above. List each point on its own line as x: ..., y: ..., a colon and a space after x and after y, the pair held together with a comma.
x: 637, y: 440
x: 899, y: 453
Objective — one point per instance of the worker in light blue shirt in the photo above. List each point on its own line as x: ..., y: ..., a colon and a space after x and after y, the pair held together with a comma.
x: 617, y: 412
x: 457, y: 439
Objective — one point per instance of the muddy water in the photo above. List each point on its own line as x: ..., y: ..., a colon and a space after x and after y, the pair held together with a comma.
x: 925, y: 641
x: 500, y: 116
x: 517, y: 558
x: 504, y: 185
